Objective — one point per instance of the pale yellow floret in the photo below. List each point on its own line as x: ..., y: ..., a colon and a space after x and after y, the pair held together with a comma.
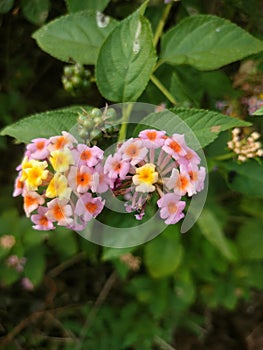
x: 58, y: 187
x: 145, y: 177
x: 61, y: 159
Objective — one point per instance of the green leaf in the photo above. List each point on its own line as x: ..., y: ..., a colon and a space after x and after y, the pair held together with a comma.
x: 44, y: 124
x: 207, y: 42
x: 210, y: 227
x: 8, y: 275
x: 164, y: 253
x: 126, y: 60
x: 77, y: 36
x: 79, y: 5
x: 6, y: 5
x: 259, y: 112
x: 254, y: 274
x: 246, y: 178
x: 250, y: 240
x: 35, y: 264
x: 203, y: 124
x: 64, y: 242
x: 114, y: 253
x: 36, y: 11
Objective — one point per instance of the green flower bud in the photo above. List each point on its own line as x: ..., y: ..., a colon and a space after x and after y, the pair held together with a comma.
x: 111, y: 113
x: 76, y: 81
x: 96, y: 112
x: 68, y: 86
x: 88, y: 123
x: 68, y: 70
x: 97, y: 120
x: 83, y: 133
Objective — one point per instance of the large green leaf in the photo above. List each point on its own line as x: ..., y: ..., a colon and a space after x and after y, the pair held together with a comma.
x: 207, y: 42
x: 79, y: 5
x: 45, y: 124
x: 126, y: 60
x: 36, y: 11
x: 250, y: 239
x: 210, y: 227
x: 35, y: 264
x: 164, y: 253
x: 76, y: 36
x: 203, y: 124
x: 246, y: 178
x: 64, y: 242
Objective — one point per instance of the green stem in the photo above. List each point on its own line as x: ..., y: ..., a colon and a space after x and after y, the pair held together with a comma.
x: 159, y: 29
x: 127, y: 108
x: 224, y: 156
x: 163, y: 89
x: 162, y: 344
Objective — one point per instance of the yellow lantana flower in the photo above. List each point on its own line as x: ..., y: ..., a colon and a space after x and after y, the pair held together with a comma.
x: 145, y: 177
x: 61, y: 159
x: 33, y: 173
x: 58, y: 187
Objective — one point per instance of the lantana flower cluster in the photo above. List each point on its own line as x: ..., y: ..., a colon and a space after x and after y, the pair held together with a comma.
x: 155, y: 163
x: 61, y: 180
x: 245, y: 147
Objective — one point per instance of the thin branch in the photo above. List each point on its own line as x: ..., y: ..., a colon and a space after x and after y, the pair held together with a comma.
x: 162, y: 344
x: 161, y: 24
x: 163, y: 89
x: 99, y: 301
x: 63, y: 266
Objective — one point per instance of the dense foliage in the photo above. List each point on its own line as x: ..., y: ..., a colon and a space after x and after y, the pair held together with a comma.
x: 199, y: 64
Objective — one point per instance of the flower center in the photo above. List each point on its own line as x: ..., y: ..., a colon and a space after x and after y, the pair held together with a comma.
x: 40, y: 145
x: 151, y: 135
x: 175, y: 146
x: 91, y: 207
x: 172, y: 208
x: 85, y: 155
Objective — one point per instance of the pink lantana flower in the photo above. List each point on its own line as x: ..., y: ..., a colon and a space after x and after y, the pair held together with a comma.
x: 80, y: 179
x: 89, y: 156
x: 101, y: 181
x: 175, y: 146
x: 89, y: 207
x: 61, y: 141
x: 59, y: 210
x: 171, y: 208
x: 181, y: 183
x: 115, y: 167
x: 133, y: 151
x: 41, y: 221
x: 31, y: 201
x: 19, y: 186
x: 37, y: 149
x: 152, y: 138
x: 197, y: 176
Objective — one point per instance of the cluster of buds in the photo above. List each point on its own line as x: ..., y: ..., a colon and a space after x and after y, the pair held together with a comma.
x: 245, y: 146
x: 59, y: 179
x: 16, y: 263
x: 91, y: 124
x: 76, y: 79
x: 155, y: 165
